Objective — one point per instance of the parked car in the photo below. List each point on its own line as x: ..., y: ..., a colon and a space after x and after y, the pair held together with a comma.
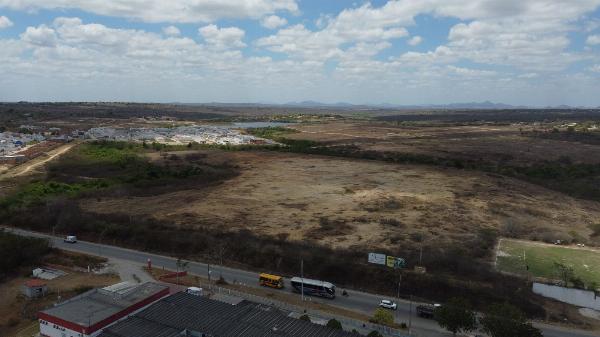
x: 70, y: 239
x: 388, y: 304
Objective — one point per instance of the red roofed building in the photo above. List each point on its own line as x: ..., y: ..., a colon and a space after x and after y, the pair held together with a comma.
x: 88, y: 314
x: 34, y: 288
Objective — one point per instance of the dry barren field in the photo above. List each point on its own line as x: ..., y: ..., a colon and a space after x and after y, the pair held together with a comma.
x: 345, y: 202
x: 507, y: 143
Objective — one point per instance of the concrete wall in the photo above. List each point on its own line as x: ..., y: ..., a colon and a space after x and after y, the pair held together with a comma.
x: 578, y: 297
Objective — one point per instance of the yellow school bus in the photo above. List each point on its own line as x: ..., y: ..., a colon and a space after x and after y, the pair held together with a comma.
x: 268, y: 280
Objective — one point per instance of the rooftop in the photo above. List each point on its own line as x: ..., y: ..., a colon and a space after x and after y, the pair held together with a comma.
x: 97, y: 305
x: 35, y: 283
x: 183, y: 314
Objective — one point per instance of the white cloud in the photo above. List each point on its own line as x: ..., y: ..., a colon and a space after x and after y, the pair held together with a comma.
x: 223, y: 38
x: 528, y: 75
x: 42, y: 36
x: 350, y: 27
x: 5, y: 22
x: 163, y: 11
x: 415, y: 40
x: 273, y: 21
x: 171, y: 31
x: 593, y: 40
x: 336, y: 59
x: 466, y: 72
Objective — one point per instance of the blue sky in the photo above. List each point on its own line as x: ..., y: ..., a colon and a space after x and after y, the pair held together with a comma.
x: 530, y: 52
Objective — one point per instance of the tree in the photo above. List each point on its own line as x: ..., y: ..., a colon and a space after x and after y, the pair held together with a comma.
x: 565, y: 273
x: 374, y: 334
x: 455, y: 316
x: 182, y: 265
x: 334, y: 324
x: 503, y: 320
x: 304, y: 318
x: 382, y: 316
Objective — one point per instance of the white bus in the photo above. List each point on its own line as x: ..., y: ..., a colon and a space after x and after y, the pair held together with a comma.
x: 313, y: 287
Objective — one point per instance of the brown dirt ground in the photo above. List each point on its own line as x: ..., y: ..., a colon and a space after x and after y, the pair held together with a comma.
x: 491, y: 142
x: 288, y: 194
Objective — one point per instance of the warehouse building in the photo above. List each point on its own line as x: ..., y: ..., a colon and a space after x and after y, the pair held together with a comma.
x: 89, y: 313
x: 187, y: 315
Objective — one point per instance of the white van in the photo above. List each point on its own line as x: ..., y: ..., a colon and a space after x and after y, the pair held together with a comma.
x: 70, y: 239
x: 194, y: 291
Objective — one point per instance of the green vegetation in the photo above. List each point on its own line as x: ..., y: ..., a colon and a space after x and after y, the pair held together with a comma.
x: 334, y: 324
x: 37, y: 192
x: 304, y: 317
x: 382, y: 316
x: 455, y: 316
x: 18, y: 251
x: 503, y: 320
x: 553, y: 262
x: 273, y: 132
x: 98, y: 166
x: 595, y: 229
x: 374, y: 334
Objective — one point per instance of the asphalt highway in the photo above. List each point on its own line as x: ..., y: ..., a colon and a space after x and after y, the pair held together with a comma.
x: 356, y: 300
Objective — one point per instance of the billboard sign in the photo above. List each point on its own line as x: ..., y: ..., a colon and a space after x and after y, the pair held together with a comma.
x: 377, y: 258
x: 395, y: 262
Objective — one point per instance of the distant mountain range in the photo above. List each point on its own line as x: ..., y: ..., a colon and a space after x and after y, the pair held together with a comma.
x: 487, y: 105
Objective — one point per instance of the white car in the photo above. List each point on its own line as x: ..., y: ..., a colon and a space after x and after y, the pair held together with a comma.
x: 388, y: 304
x: 70, y: 239
x: 194, y: 291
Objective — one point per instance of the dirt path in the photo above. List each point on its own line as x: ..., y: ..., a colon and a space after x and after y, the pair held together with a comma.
x: 37, y: 162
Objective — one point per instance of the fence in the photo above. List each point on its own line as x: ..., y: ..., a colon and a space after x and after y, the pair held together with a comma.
x: 578, y: 297
x: 347, y: 323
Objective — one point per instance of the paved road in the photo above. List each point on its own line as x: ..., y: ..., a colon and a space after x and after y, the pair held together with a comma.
x: 356, y: 301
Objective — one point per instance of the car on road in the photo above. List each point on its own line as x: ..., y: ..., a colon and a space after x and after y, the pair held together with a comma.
x: 388, y: 304
x: 70, y: 239
x: 427, y: 310
x: 194, y: 291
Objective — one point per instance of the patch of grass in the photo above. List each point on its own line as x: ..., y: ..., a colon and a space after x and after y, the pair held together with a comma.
x: 515, y: 256
x: 274, y: 132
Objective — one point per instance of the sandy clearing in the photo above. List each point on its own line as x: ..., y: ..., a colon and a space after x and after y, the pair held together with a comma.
x: 286, y: 194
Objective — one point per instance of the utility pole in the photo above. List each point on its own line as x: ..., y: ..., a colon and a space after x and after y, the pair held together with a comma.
x: 302, y: 278
x: 410, y: 315
x: 221, y: 249
x: 398, y: 293
x: 208, y: 271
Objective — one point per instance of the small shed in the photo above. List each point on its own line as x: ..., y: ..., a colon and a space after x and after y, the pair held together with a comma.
x: 35, y: 288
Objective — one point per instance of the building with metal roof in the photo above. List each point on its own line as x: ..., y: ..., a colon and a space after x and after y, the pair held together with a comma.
x: 89, y: 313
x: 183, y: 314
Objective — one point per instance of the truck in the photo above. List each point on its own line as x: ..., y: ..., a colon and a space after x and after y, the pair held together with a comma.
x: 427, y: 310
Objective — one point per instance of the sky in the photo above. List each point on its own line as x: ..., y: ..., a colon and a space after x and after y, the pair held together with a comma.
x: 521, y: 52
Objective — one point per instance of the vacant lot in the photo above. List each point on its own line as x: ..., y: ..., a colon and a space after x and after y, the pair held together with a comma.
x: 496, y: 143
x: 344, y: 202
x: 514, y: 256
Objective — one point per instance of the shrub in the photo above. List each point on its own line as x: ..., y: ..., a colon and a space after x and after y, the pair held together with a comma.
x: 382, y: 316
x: 595, y: 229
x: 304, y: 318
x: 374, y: 334
x: 334, y: 324
x: 390, y: 222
